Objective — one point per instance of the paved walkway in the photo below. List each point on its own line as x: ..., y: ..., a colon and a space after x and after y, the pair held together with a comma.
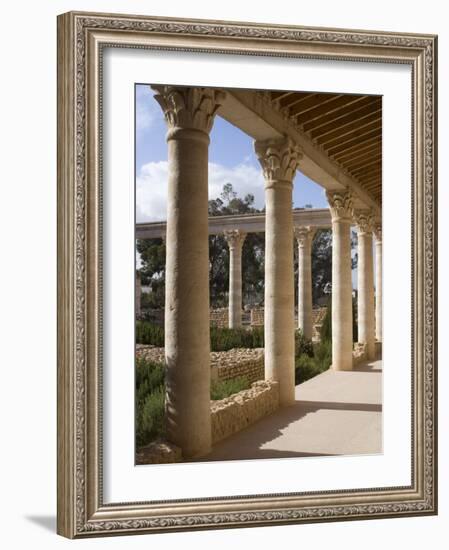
x: 335, y: 413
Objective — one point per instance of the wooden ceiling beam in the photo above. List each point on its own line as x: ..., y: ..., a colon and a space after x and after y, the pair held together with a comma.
x: 373, y: 121
x: 276, y: 96
x: 301, y: 100
x: 346, y: 121
x: 363, y: 161
x: 312, y: 103
x: 372, y: 182
x: 365, y: 102
x: 327, y: 106
x: 368, y: 172
x: 355, y: 148
x: 358, y: 141
x: 369, y: 148
x: 350, y: 136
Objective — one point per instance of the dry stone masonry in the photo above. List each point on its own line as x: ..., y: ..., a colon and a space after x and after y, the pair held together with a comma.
x: 219, y: 317
x: 225, y: 365
x: 234, y: 413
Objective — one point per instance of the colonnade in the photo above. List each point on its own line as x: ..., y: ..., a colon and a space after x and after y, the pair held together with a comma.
x: 189, y: 114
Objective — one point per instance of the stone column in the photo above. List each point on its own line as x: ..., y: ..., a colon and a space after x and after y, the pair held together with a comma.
x: 279, y: 160
x: 304, y: 236
x: 365, y: 281
x: 378, y: 235
x: 138, y: 294
x: 235, y: 240
x: 189, y: 114
x: 340, y: 203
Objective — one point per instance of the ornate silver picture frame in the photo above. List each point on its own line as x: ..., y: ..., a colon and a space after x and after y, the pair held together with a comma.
x: 82, y: 509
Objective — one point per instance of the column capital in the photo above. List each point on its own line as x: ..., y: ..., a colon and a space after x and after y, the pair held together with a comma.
x: 188, y: 108
x: 234, y: 237
x: 364, y: 221
x: 279, y: 159
x: 341, y: 205
x: 378, y: 232
x: 304, y: 234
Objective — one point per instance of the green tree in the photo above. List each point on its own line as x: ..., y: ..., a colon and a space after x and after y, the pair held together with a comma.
x: 152, y: 272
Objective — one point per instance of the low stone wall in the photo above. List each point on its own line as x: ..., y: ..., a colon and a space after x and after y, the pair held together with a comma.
x: 225, y: 365
x: 234, y: 413
x: 238, y: 362
x: 150, y: 353
x: 219, y: 317
x: 358, y: 353
x: 257, y: 317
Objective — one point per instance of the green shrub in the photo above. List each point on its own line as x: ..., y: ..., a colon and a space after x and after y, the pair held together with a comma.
x: 149, y: 400
x: 323, y: 354
x: 224, y: 388
x: 149, y: 333
x: 221, y: 339
x: 149, y: 376
x: 307, y: 367
x: 224, y: 339
x: 326, y: 327
x: 302, y: 345
x: 150, y: 417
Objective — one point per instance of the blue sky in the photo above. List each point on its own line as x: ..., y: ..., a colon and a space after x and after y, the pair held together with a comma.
x: 231, y: 159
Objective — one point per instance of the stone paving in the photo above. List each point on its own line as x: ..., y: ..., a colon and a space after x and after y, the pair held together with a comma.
x: 335, y: 413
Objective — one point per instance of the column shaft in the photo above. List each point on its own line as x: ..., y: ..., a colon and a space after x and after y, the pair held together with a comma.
x: 189, y: 115
x: 365, y: 279
x: 341, y: 211
x: 279, y: 161
x: 378, y: 284
x: 304, y: 236
x: 235, y: 240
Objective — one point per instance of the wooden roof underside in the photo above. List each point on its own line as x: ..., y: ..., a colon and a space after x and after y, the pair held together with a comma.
x: 348, y: 128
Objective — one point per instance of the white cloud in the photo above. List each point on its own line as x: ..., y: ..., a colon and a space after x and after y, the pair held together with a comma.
x: 151, y: 187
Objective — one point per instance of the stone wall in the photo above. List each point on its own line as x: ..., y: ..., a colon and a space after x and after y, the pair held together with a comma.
x: 257, y: 317
x: 150, y: 353
x: 234, y: 413
x: 224, y: 364
x: 238, y: 362
x: 219, y: 317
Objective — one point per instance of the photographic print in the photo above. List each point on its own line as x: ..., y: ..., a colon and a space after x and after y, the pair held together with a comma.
x: 258, y: 281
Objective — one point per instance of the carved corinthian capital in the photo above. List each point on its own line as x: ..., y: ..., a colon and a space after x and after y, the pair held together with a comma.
x: 189, y: 108
x: 364, y: 221
x: 341, y: 205
x: 234, y: 238
x: 304, y: 235
x: 279, y: 159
